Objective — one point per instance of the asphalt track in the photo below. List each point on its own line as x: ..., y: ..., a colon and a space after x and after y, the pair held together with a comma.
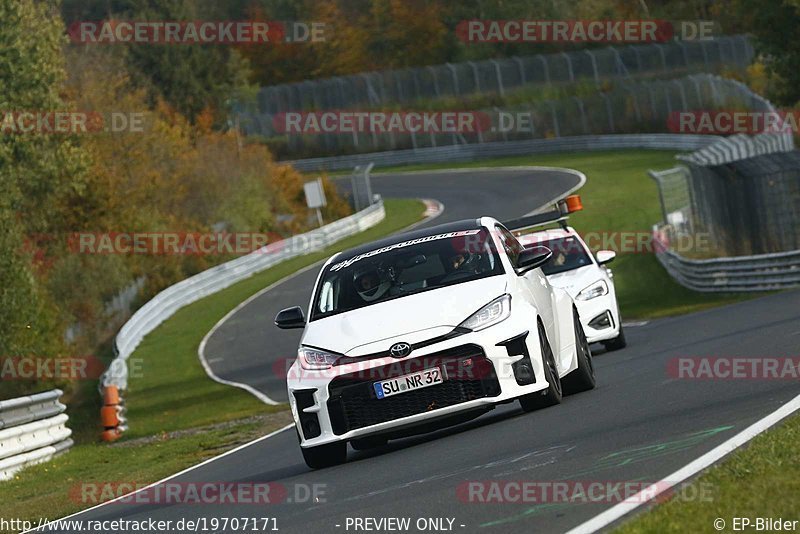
x: 639, y: 424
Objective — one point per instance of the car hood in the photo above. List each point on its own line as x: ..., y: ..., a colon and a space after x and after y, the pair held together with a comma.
x: 411, y: 319
x: 576, y: 280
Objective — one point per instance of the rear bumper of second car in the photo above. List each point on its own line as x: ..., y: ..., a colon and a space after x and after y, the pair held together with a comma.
x: 482, y: 368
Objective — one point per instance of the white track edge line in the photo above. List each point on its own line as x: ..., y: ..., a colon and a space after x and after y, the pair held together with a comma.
x: 619, y: 510
x: 255, y: 392
x: 201, y: 348
x: 170, y: 477
x: 246, y: 387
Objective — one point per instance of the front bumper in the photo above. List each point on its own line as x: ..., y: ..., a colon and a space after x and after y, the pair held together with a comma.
x: 592, y: 313
x: 483, y: 368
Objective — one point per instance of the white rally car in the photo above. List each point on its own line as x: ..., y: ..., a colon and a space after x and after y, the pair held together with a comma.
x: 429, y: 329
x: 587, y: 279
x: 583, y: 275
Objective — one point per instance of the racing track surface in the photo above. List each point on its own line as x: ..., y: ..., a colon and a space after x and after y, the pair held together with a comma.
x: 639, y: 424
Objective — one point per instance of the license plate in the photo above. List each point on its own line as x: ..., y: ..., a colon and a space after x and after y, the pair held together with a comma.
x: 409, y: 382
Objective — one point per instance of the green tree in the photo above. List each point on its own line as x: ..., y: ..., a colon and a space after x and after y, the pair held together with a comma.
x: 775, y: 25
x: 191, y: 78
x: 39, y: 174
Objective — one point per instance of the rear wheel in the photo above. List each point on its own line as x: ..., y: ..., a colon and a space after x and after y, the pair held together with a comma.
x: 582, y: 378
x: 616, y: 343
x: 325, y: 455
x: 551, y: 395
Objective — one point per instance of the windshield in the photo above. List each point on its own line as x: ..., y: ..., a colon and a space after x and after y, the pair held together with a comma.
x: 405, y: 268
x: 568, y: 254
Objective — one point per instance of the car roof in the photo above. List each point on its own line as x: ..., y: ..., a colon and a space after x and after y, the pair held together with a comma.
x: 456, y: 226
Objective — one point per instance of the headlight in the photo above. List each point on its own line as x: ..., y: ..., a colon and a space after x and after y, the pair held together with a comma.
x: 598, y: 289
x: 316, y: 358
x: 496, y: 311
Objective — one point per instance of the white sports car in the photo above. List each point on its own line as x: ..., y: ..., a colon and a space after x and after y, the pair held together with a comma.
x: 587, y: 279
x: 429, y: 329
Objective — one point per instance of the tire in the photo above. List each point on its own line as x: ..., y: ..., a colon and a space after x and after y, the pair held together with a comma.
x: 616, y: 343
x: 327, y: 455
x: 552, y: 395
x: 582, y: 378
x: 370, y: 442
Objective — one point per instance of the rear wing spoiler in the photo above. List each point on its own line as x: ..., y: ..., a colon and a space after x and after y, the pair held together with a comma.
x: 559, y: 214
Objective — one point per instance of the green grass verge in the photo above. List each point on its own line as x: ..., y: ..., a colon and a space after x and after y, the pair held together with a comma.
x: 618, y: 196
x: 66, y: 484
x: 174, y: 408
x: 173, y: 391
x: 760, y: 480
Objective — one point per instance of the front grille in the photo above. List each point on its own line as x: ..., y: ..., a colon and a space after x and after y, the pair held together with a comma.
x: 353, y: 403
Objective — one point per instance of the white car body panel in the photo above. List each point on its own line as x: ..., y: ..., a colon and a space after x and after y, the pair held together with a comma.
x: 576, y: 280
x: 345, y: 333
x: 425, y: 316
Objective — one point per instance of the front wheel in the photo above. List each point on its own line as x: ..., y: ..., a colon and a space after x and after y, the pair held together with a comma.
x: 616, y: 343
x: 326, y: 455
x: 551, y: 395
x: 582, y: 378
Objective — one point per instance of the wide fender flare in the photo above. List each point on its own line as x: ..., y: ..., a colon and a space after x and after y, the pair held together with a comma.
x: 565, y: 321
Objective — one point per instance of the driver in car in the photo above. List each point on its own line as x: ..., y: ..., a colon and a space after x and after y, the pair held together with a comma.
x: 369, y: 285
x: 464, y: 262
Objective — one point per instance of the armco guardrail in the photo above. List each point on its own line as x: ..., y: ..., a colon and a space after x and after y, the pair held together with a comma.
x: 170, y: 300
x: 763, y: 272
x: 738, y: 190
x: 455, y: 153
x: 32, y: 430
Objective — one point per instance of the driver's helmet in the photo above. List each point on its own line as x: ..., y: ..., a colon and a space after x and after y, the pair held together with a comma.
x: 463, y: 261
x: 369, y: 285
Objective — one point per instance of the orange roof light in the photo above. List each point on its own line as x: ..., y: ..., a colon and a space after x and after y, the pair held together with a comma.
x: 574, y: 203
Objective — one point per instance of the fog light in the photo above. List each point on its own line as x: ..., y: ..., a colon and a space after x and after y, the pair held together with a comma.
x: 310, y: 426
x: 523, y: 372
x: 309, y: 422
x: 601, y: 321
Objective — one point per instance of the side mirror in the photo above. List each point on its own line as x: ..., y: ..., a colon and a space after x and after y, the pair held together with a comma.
x: 605, y: 256
x: 290, y: 318
x: 532, y: 257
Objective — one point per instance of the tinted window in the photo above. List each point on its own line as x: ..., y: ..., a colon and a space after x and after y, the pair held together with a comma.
x: 510, y: 244
x: 568, y: 254
x: 405, y: 268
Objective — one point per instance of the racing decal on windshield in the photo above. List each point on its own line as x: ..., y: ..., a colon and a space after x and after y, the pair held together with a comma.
x: 402, y: 244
